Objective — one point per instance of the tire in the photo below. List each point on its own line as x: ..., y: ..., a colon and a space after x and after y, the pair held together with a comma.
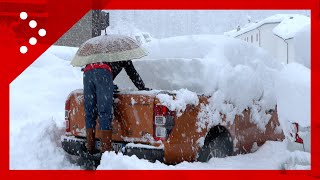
x: 86, y: 164
x: 217, y: 145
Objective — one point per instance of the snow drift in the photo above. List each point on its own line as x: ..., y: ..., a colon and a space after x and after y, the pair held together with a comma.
x: 293, y: 92
x: 236, y: 74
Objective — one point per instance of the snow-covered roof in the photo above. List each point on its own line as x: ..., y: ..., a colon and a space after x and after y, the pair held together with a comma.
x: 289, y: 25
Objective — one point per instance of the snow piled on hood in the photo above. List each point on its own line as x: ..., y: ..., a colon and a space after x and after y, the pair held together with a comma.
x: 236, y: 74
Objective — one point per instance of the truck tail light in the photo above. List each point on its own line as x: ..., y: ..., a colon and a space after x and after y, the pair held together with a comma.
x: 163, y: 122
x: 296, y: 131
x: 67, y: 115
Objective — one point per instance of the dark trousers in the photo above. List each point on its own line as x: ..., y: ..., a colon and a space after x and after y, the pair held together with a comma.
x: 98, y: 98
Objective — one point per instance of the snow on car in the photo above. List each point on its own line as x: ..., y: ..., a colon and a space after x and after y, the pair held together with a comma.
x: 236, y: 114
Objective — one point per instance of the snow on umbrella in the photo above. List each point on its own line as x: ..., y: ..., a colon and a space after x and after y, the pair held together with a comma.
x: 107, y: 48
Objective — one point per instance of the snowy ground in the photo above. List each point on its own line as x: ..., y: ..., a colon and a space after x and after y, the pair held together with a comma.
x: 213, y: 66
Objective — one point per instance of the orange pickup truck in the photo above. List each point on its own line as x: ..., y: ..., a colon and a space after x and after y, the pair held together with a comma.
x: 144, y: 127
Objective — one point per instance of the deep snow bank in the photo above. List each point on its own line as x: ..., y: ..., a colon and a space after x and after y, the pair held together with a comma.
x: 37, y: 100
x: 272, y: 155
x: 293, y: 88
x: 302, y: 46
x: 38, y: 146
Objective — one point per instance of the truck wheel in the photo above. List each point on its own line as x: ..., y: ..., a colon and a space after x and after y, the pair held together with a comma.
x: 218, y: 143
x: 85, y: 163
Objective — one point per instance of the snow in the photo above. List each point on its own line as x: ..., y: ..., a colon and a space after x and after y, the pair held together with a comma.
x: 236, y: 74
x: 293, y: 96
x: 289, y: 25
x: 35, y: 147
x: 133, y: 145
x: 302, y: 46
x: 168, y: 23
x: 128, y: 29
x: 270, y: 156
x: 179, y: 104
x: 62, y: 53
x: 298, y: 160
x: 37, y: 100
x: 215, y: 65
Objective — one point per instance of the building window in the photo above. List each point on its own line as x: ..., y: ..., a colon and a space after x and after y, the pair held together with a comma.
x: 251, y: 38
x: 257, y: 37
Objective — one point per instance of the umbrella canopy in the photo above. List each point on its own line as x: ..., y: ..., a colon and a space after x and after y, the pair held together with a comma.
x: 108, y: 48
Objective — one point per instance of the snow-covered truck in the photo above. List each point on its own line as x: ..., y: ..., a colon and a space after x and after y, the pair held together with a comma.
x: 143, y: 125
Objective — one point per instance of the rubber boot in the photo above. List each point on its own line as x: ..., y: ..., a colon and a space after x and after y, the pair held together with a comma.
x: 90, y: 140
x: 106, y: 138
